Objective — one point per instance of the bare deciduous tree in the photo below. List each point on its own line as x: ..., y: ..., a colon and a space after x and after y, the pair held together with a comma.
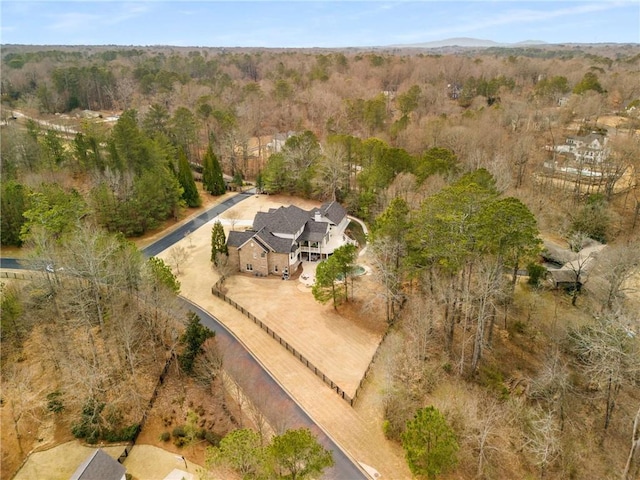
x: 24, y: 398
x: 177, y: 256
x: 332, y: 173
x: 542, y: 439
x: 614, y: 266
x: 608, y: 354
x: 634, y: 451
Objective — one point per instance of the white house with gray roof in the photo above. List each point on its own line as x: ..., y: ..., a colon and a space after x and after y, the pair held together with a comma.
x: 282, y: 238
x: 588, y: 149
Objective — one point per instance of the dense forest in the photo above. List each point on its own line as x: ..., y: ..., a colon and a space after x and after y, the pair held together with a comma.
x: 464, y: 163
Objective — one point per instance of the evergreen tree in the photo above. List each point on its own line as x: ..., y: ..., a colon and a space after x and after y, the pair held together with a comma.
x: 242, y: 450
x: 297, y: 455
x: 162, y: 274
x: 192, y: 339
x: 218, y: 242
x: 212, y: 179
x: 185, y: 176
x: 344, y: 258
x: 429, y: 443
x: 324, y: 287
x: 589, y: 82
x: 14, y: 203
x: 259, y: 182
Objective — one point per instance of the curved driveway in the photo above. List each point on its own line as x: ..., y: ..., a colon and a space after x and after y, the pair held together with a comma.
x: 258, y: 376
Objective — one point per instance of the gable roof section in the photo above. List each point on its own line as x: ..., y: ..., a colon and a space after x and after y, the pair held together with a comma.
x: 265, y: 240
x: 333, y: 211
x: 314, y: 231
x: 237, y: 239
x: 283, y: 220
x: 99, y: 465
x: 277, y: 244
x: 564, y: 275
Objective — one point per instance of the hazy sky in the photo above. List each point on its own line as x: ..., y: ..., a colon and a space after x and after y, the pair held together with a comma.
x: 314, y: 23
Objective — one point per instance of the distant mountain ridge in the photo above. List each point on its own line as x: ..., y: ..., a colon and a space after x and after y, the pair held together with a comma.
x: 468, y: 42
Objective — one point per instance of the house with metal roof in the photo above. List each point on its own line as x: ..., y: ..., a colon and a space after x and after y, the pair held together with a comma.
x: 282, y: 238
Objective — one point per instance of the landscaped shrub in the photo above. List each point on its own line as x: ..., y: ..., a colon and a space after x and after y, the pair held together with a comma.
x: 213, y: 438
x: 493, y: 379
x: 89, y: 426
x: 54, y: 404
x: 179, y: 432
x: 536, y: 272
x: 165, y: 436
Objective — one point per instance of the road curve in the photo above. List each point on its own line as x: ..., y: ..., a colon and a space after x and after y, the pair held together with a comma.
x: 257, y: 375
x: 263, y: 384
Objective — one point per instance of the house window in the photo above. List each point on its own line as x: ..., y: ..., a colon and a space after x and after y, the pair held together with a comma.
x: 249, y: 267
x: 262, y: 254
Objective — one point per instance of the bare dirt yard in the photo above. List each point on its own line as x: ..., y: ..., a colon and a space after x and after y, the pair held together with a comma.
x: 339, y: 342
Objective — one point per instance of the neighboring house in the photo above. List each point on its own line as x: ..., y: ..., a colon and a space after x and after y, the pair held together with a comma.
x: 573, y: 268
x: 581, y: 157
x: 101, y: 466
x: 282, y: 238
x: 278, y: 141
x: 588, y: 149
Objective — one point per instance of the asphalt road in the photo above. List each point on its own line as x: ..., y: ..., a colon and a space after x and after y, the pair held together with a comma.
x: 11, y: 263
x: 192, y: 225
x: 262, y: 383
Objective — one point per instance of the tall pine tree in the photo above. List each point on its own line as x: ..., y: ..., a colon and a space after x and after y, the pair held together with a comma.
x: 212, y: 179
x: 218, y: 242
x: 190, y: 194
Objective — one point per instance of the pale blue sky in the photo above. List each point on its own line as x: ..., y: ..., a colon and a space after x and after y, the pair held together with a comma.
x: 315, y: 23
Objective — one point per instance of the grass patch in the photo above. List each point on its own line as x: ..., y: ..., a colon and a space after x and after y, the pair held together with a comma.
x: 355, y: 231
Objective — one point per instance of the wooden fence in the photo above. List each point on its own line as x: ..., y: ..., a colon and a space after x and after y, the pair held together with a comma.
x: 285, y: 344
x: 215, y: 290
x: 16, y: 275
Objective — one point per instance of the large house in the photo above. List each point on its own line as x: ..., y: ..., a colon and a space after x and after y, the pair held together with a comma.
x: 587, y: 149
x: 282, y: 238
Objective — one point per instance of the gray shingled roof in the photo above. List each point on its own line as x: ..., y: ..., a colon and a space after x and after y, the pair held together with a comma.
x: 314, y: 231
x: 267, y: 226
x: 333, y: 211
x: 277, y: 244
x: 264, y: 238
x: 100, y: 466
x: 237, y: 239
x: 556, y: 253
x: 564, y: 275
x: 284, y: 220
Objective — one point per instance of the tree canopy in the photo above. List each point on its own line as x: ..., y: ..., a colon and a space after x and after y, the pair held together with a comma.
x: 429, y: 443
